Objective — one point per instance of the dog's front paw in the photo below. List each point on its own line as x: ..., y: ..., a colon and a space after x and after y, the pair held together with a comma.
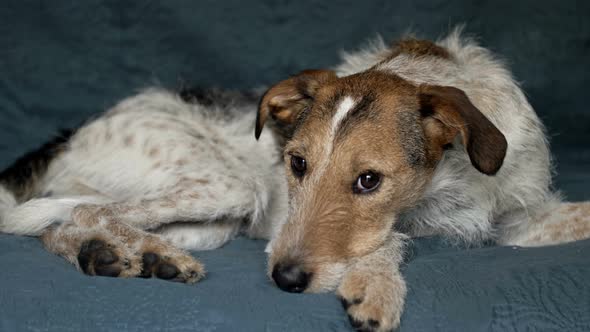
x: 109, y: 259
x: 373, y: 300
x: 162, y: 260
x: 182, y: 268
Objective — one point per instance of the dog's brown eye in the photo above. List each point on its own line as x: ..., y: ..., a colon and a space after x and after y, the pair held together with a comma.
x: 366, y: 182
x: 298, y: 165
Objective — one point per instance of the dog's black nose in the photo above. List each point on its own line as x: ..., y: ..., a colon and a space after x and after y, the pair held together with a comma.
x: 290, y: 278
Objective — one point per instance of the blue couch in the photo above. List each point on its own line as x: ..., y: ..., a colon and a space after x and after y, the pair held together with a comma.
x: 63, y: 61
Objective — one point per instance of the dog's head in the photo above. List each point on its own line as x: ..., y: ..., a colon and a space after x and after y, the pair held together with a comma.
x: 362, y: 150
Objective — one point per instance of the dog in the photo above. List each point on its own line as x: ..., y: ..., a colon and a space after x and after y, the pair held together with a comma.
x: 420, y: 138
x: 159, y: 172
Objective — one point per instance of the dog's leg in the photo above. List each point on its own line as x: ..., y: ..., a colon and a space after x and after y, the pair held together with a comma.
x: 126, y: 223
x: 556, y: 222
x: 109, y: 239
x: 184, y: 205
x: 201, y: 236
x: 98, y: 243
x: 373, y: 290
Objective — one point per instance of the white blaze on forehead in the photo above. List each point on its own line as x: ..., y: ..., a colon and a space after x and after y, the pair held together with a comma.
x: 345, y: 106
x: 297, y: 206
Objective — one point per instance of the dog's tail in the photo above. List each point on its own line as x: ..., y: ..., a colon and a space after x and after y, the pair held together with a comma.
x: 21, y: 212
x: 34, y: 216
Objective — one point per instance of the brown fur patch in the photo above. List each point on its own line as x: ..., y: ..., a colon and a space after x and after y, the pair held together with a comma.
x: 108, y: 135
x: 418, y: 48
x: 576, y: 207
x: 287, y: 100
x: 181, y: 162
x: 573, y: 229
x: 448, y: 112
x: 568, y: 222
x: 194, y: 195
x: 128, y: 140
x: 377, y: 92
x: 82, y: 189
x: 411, y: 134
x: 154, y: 152
x: 167, y: 203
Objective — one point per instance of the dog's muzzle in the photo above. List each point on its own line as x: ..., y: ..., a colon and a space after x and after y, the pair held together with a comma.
x: 290, y: 277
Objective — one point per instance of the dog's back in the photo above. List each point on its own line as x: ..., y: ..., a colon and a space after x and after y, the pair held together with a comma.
x: 140, y: 148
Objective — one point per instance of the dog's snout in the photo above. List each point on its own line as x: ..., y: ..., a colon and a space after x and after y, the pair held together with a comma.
x: 291, y: 277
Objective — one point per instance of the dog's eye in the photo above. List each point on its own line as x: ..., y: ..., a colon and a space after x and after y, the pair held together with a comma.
x: 298, y: 165
x: 366, y: 182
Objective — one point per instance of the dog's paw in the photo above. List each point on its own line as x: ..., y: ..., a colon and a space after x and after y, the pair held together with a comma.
x: 101, y: 258
x: 166, y: 262
x: 182, y: 268
x: 373, y: 301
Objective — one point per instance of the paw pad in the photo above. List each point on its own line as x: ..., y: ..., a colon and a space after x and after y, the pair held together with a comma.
x: 370, y: 325
x: 154, y: 265
x: 97, y: 258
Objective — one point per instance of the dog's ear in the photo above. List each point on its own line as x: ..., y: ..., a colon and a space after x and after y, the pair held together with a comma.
x: 286, y: 99
x: 447, y: 112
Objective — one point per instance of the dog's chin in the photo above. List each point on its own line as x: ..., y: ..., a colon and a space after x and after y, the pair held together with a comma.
x: 326, y: 278
x: 268, y: 248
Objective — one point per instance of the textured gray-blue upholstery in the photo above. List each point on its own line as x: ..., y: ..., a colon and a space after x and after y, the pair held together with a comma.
x: 63, y: 61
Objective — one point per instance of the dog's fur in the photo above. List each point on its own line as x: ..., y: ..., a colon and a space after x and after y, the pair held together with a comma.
x: 460, y: 152
x: 183, y: 167
x: 458, y: 149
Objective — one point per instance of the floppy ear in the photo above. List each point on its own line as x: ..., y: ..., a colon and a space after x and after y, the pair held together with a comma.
x: 286, y: 99
x: 447, y: 112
